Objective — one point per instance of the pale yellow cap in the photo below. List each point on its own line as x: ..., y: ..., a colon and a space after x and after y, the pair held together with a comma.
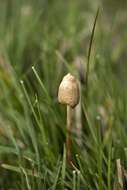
x: 68, y: 92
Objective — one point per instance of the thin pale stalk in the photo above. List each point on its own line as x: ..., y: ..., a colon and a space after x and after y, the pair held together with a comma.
x: 78, y: 116
x: 69, y: 130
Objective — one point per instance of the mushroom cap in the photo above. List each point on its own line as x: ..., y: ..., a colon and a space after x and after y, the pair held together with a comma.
x: 68, y: 92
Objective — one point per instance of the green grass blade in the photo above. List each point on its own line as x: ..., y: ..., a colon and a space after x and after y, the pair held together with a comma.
x: 63, y: 170
x: 41, y: 84
x: 74, y: 180
x: 90, y: 47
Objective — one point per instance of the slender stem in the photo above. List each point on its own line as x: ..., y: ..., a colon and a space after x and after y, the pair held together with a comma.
x: 69, y: 130
x: 78, y: 116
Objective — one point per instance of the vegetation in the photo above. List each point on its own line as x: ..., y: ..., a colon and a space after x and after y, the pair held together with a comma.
x: 40, y: 42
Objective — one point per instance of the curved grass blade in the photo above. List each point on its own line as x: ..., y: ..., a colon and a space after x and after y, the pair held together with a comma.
x: 90, y: 47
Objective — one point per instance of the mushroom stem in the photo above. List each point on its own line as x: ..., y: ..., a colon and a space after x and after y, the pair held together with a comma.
x: 78, y: 120
x: 69, y: 130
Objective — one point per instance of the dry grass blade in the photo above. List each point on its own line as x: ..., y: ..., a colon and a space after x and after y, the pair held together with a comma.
x: 119, y: 184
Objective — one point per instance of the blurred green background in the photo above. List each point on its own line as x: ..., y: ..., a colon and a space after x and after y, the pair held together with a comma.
x: 54, y: 36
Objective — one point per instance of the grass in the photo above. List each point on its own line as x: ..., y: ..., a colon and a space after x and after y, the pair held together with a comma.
x: 40, y: 42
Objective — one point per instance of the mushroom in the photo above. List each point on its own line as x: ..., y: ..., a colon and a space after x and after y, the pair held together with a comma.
x: 68, y: 94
